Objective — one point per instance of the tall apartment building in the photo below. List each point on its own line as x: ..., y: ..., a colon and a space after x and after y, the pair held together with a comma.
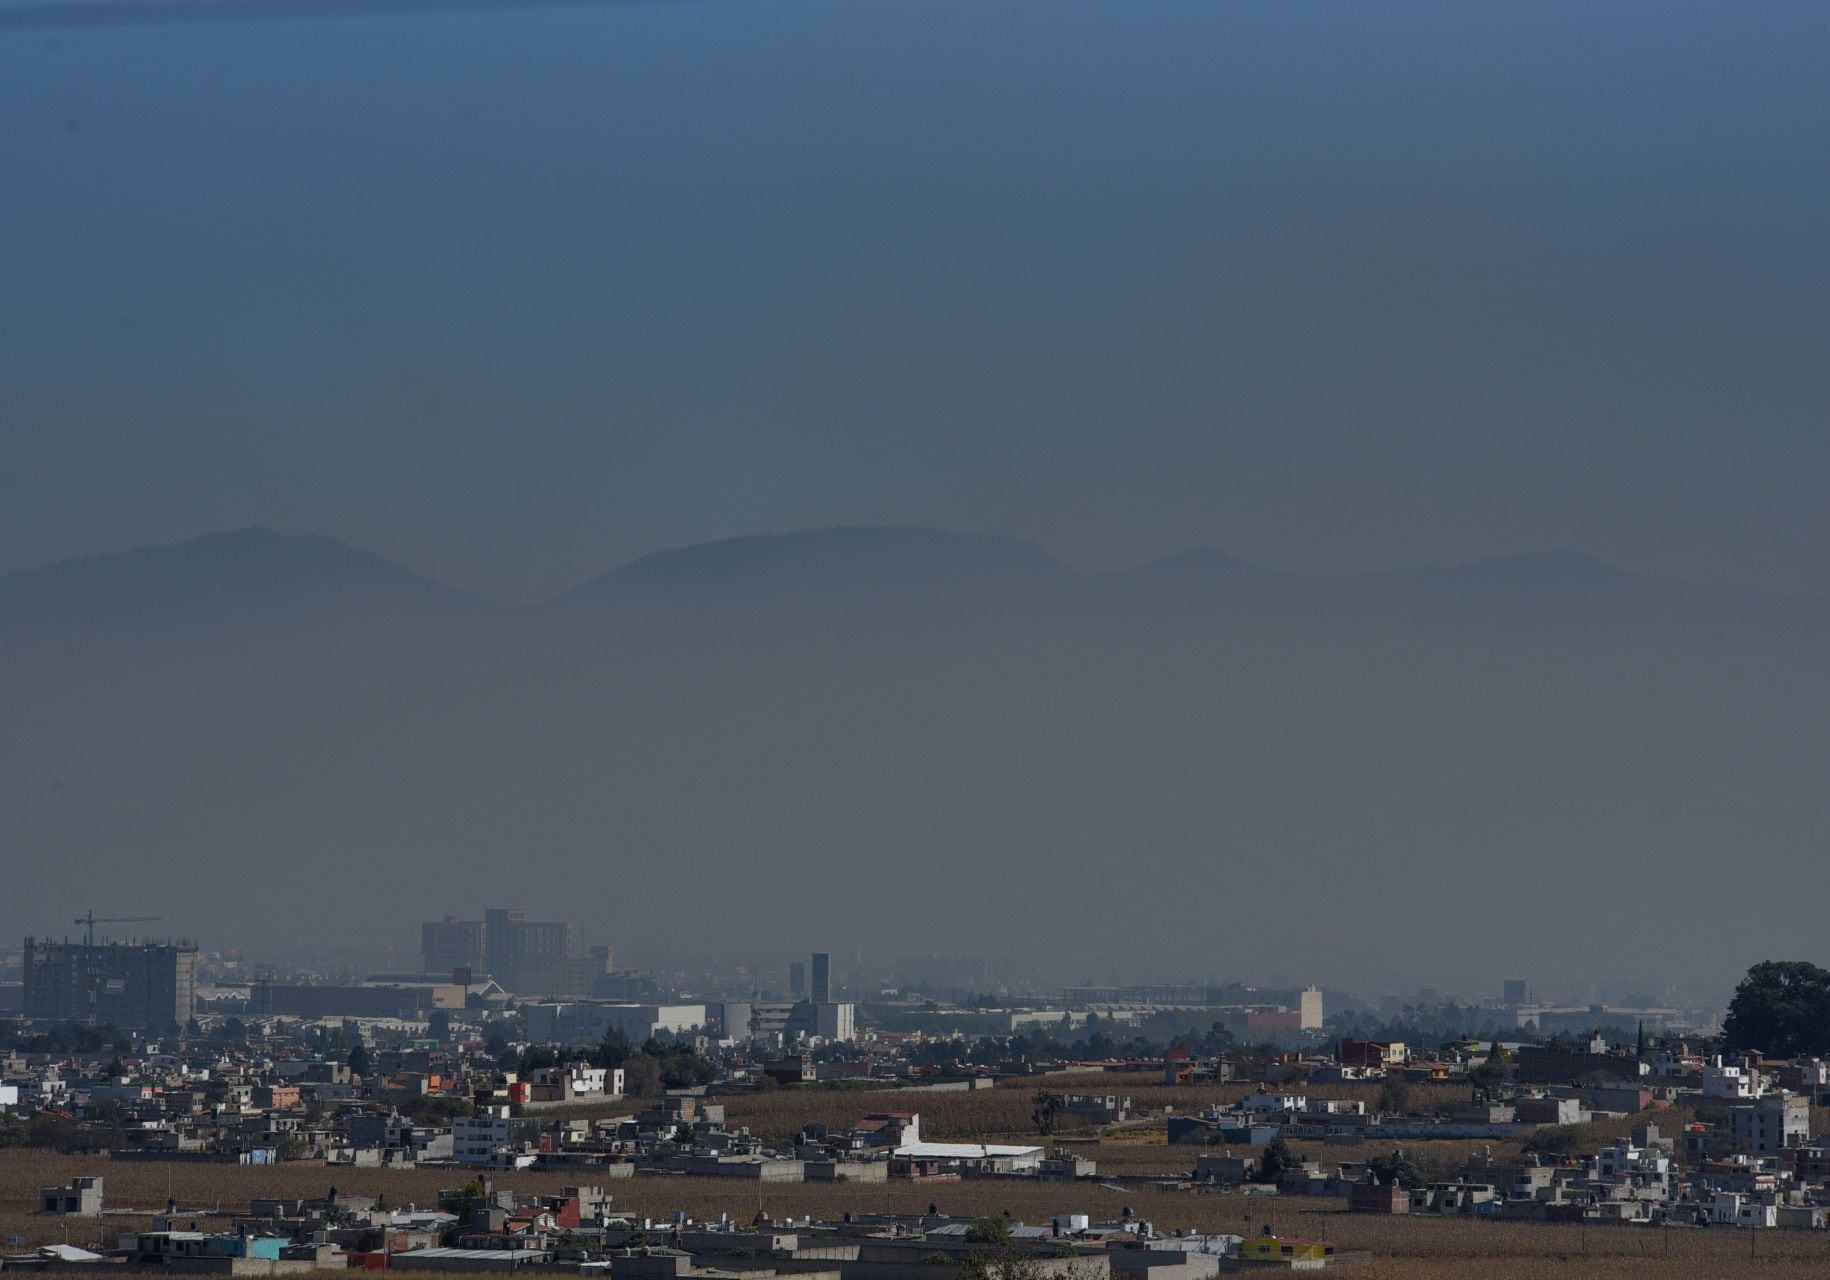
x: 450, y: 944
x: 822, y: 978
x: 797, y: 980
x: 136, y: 986
x: 528, y: 957
x: 1309, y: 1005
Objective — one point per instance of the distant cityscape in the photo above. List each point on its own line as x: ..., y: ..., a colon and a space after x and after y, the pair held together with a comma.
x: 507, y: 1052
x: 503, y: 959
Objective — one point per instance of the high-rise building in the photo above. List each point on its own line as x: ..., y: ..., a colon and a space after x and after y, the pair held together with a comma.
x: 528, y: 957
x: 1309, y: 1008
x: 797, y: 979
x: 136, y: 986
x: 835, y: 1021
x: 1514, y: 991
x: 451, y: 944
x: 822, y: 978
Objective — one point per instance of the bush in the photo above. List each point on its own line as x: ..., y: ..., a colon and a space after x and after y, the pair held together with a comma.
x: 1555, y: 1140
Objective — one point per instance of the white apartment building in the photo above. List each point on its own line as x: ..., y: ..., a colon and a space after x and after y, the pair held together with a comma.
x: 1730, y: 1080
x: 1770, y: 1123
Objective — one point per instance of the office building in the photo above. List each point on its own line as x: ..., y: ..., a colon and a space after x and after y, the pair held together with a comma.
x: 822, y: 978
x: 451, y: 944
x: 526, y: 957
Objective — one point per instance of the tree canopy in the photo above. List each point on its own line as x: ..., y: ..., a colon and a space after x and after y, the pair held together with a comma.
x: 1277, y: 1157
x: 1396, y: 1168
x: 1782, y: 1008
x: 989, y: 1230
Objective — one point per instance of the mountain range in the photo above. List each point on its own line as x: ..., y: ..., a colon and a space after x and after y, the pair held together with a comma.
x: 915, y: 741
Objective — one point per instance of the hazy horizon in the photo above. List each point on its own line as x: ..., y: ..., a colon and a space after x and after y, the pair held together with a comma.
x: 514, y: 299
x: 1099, y: 566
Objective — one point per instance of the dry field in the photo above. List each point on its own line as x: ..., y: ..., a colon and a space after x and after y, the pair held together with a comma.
x: 1409, y: 1247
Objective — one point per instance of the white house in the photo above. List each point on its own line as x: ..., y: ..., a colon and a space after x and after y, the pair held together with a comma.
x: 1733, y: 1208
x: 1729, y: 1081
x: 484, y: 1138
x: 575, y: 1081
x: 1624, y: 1158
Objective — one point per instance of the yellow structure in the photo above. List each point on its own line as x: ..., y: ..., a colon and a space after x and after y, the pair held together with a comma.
x: 1286, y: 1251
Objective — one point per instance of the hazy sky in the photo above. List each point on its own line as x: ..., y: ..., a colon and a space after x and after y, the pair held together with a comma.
x: 513, y: 298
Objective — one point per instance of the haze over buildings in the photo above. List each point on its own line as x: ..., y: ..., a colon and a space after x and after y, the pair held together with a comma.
x: 1248, y: 491
x: 828, y: 724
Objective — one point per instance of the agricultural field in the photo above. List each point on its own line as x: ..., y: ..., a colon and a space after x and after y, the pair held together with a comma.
x: 1416, y: 1246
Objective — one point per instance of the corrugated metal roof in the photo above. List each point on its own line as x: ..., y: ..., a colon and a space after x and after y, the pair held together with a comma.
x: 961, y: 1150
x: 1017, y: 1231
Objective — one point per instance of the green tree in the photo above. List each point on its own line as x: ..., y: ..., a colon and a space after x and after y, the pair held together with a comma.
x: 1395, y: 1095
x: 992, y: 1231
x: 612, y: 1051
x: 1046, y: 1106
x: 1781, y: 1008
x: 1556, y: 1140
x: 1277, y: 1157
x: 1493, y: 1070
x: 642, y: 1076
x: 359, y: 1063
x: 538, y: 1056
x: 1396, y: 1168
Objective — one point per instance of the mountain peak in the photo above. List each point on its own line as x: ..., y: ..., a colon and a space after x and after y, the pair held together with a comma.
x: 846, y: 559
x: 226, y: 572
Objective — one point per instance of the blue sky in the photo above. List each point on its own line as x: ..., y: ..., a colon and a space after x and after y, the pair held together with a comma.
x: 513, y: 298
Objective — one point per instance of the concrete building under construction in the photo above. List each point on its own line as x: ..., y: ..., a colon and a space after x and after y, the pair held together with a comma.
x: 136, y: 986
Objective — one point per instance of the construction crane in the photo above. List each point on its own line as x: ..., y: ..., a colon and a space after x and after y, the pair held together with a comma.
x: 91, y: 919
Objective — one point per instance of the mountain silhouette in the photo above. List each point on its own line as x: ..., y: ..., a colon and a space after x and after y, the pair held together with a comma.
x: 911, y: 740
